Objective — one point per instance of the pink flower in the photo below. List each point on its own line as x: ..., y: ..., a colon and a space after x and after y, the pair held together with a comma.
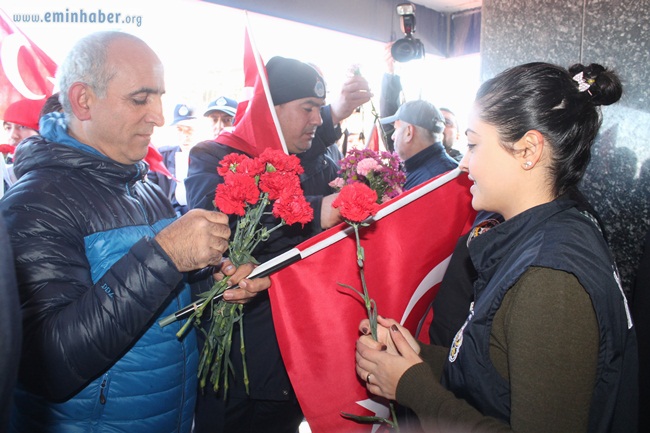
x: 381, y: 171
x: 337, y: 183
x: 367, y: 165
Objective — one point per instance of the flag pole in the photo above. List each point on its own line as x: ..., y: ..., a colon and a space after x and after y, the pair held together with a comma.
x: 293, y: 255
x: 265, y: 83
x: 263, y: 270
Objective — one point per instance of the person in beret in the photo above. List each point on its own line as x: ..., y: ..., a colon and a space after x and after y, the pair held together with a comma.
x: 20, y: 120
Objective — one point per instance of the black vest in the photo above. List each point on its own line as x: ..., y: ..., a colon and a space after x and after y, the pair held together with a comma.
x: 555, y: 236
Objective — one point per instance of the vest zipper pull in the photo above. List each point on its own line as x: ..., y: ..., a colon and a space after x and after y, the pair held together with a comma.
x: 102, y: 397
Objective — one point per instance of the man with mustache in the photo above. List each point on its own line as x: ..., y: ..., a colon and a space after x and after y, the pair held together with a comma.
x: 308, y: 127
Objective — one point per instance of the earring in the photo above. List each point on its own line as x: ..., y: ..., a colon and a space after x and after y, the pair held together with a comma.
x: 528, y: 164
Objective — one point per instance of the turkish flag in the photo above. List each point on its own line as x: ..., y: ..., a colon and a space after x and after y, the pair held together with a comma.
x: 155, y: 161
x: 373, y: 141
x: 26, y: 72
x: 256, y: 125
x: 407, y: 247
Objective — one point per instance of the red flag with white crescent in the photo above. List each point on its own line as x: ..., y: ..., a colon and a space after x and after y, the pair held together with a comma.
x: 407, y: 249
x: 26, y: 72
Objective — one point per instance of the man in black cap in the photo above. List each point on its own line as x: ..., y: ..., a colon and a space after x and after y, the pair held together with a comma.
x: 418, y: 141
x: 308, y: 128
x: 221, y: 113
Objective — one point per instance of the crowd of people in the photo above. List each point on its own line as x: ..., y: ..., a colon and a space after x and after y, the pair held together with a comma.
x: 533, y: 333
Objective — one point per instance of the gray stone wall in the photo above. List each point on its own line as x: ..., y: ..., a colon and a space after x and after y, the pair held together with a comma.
x: 616, y: 34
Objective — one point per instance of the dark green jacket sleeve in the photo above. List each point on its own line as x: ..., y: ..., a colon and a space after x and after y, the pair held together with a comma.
x: 544, y: 341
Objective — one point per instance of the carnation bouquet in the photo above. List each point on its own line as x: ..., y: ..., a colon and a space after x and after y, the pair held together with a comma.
x: 252, y: 188
x: 367, y: 179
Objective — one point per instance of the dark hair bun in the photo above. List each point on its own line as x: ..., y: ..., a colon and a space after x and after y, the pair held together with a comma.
x: 605, y: 87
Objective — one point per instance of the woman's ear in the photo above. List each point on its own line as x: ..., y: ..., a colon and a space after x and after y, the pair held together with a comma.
x: 529, y: 148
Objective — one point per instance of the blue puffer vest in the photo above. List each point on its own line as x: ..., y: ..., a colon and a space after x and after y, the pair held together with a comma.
x: 93, y: 284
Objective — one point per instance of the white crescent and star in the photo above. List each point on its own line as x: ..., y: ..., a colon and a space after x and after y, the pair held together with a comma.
x: 380, y: 410
x: 431, y: 279
x: 9, y: 52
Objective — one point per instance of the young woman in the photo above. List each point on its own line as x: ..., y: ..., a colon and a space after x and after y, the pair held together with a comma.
x: 548, y: 345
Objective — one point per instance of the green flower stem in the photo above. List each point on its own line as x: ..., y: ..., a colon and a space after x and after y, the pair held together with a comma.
x: 217, y: 288
x: 393, y: 416
x: 215, y: 364
x: 242, y: 349
x: 371, y: 308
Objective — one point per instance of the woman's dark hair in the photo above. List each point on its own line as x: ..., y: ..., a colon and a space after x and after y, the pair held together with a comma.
x: 550, y: 99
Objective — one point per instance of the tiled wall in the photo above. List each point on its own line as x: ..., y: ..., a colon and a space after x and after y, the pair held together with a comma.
x: 616, y: 34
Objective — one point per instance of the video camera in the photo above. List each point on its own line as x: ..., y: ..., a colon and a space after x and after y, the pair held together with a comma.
x: 407, y: 48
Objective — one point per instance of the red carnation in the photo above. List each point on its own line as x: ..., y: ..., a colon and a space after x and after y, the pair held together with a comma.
x: 251, y: 167
x: 280, y: 161
x: 293, y: 209
x: 278, y: 183
x: 237, y: 191
x: 249, y: 186
x: 7, y: 149
x: 357, y: 201
x: 230, y: 163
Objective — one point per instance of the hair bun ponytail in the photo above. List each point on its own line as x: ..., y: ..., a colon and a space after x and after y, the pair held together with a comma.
x: 601, y: 85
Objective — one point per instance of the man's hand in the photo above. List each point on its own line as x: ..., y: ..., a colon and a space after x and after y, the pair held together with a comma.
x: 197, y: 239
x: 355, y: 92
x: 248, y: 288
x: 329, y: 216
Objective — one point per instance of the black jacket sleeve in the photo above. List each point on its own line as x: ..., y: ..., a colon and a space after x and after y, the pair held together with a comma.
x: 10, y: 327
x: 202, y: 177
x: 391, y: 89
x: 389, y: 102
x: 74, y: 328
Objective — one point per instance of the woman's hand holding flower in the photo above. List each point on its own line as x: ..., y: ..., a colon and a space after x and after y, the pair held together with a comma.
x: 382, y: 363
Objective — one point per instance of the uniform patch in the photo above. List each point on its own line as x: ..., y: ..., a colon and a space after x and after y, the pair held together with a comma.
x: 319, y: 89
x: 481, y: 228
x: 458, y: 339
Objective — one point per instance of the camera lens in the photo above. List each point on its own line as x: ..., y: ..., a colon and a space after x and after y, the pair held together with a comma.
x: 406, y: 49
